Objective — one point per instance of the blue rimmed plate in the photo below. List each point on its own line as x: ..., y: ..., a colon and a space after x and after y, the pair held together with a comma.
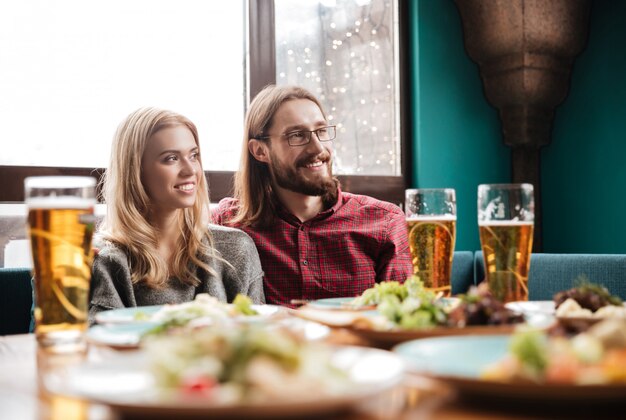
x: 139, y: 314
x: 143, y: 314
x: 340, y: 303
x: 346, y: 303
x: 119, y: 336
x: 128, y: 336
x: 459, y: 360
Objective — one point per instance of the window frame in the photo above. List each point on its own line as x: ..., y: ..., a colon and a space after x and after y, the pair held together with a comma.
x: 262, y: 58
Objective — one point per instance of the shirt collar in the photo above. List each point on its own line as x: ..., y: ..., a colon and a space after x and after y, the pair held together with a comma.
x: 337, y: 205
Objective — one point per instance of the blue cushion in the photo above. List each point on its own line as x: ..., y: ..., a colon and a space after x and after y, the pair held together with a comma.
x: 551, y: 273
x: 16, y: 299
x: 462, y: 276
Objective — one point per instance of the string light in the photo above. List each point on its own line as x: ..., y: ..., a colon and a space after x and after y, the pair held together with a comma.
x: 344, y: 52
x: 329, y: 3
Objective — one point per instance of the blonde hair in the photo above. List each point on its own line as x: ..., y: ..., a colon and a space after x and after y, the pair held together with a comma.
x: 128, y: 206
x: 253, y: 182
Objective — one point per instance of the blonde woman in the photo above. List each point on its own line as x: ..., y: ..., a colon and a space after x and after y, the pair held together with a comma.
x: 156, y: 245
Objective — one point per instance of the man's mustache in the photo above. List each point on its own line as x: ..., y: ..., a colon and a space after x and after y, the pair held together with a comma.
x: 324, y: 157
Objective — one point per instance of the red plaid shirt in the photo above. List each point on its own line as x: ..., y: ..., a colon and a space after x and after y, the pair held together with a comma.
x: 340, y: 252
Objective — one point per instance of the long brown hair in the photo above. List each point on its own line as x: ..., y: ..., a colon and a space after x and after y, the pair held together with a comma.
x: 253, y: 182
x: 128, y: 205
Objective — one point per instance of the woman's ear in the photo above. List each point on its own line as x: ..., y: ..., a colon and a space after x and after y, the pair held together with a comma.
x: 259, y: 150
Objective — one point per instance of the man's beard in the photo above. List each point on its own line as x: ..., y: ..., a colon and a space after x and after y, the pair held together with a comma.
x: 289, y: 178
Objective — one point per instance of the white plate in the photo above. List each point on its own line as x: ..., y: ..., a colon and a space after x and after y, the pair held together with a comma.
x: 545, y: 307
x: 126, y: 384
x: 142, y: 314
x: 128, y: 336
x: 537, y: 313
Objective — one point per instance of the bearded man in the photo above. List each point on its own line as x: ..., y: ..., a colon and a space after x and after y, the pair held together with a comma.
x: 314, y: 240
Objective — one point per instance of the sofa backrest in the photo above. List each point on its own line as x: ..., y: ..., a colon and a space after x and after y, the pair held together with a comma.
x: 16, y: 299
x: 462, y: 276
x: 551, y: 273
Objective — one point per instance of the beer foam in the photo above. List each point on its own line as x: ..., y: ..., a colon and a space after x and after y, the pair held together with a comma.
x: 506, y: 223
x: 60, y: 202
x: 441, y: 217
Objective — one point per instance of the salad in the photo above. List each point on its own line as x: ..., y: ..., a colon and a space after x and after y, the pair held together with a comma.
x: 597, y: 356
x: 412, y: 306
x: 249, y: 364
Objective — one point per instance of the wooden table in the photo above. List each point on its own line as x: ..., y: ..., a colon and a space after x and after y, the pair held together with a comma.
x: 22, y: 397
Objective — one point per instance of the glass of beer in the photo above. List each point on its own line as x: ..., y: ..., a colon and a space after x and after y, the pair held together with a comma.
x: 60, y: 227
x: 506, y: 214
x: 431, y: 223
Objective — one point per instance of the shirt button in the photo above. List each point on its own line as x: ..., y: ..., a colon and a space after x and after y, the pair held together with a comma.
x: 305, y: 262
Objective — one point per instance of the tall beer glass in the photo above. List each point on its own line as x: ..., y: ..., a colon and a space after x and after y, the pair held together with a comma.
x: 431, y: 223
x: 60, y: 226
x: 506, y: 214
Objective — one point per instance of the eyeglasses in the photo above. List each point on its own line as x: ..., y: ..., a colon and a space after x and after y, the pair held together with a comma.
x: 303, y: 137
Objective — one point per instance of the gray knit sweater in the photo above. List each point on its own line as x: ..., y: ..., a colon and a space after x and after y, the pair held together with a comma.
x: 111, y: 285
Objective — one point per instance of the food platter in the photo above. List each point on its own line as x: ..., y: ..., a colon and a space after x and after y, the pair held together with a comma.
x: 389, y: 338
x: 535, y: 310
x: 364, y: 324
x: 127, y: 385
x: 459, y: 360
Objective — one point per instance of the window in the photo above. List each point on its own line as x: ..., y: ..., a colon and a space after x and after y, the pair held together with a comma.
x: 72, y: 70
x: 345, y: 52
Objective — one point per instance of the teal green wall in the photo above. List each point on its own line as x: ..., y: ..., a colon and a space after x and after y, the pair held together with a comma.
x: 457, y: 139
x: 584, y: 169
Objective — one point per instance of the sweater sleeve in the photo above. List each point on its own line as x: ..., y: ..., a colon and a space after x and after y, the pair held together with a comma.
x: 255, y: 285
x: 243, y: 273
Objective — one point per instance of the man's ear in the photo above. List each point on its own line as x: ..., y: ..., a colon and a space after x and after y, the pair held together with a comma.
x: 259, y: 150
